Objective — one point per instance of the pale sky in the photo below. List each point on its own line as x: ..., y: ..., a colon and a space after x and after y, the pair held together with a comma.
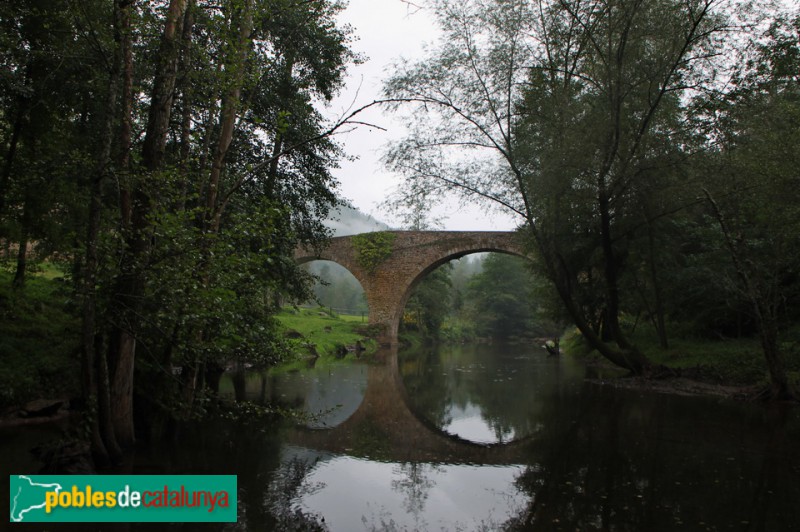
x: 386, y: 31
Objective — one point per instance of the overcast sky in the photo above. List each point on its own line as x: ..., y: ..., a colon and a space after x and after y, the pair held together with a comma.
x: 386, y: 31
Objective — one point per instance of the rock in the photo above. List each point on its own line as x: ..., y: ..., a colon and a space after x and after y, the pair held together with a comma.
x: 41, y: 408
x: 340, y: 351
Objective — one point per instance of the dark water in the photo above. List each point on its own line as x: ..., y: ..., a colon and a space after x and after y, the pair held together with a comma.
x: 488, y: 438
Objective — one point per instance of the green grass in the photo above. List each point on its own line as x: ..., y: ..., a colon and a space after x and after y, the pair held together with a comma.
x: 39, y: 337
x: 732, y: 361
x: 326, y: 332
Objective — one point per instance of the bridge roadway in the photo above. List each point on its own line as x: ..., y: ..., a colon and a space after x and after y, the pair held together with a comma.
x: 384, y: 428
x: 413, y: 255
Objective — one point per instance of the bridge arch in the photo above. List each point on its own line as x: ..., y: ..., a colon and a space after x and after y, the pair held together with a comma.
x: 440, y: 262
x: 414, y: 254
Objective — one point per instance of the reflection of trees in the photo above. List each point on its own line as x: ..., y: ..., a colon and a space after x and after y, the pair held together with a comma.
x: 509, y: 384
x: 290, y: 484
x: 657, y: 463
x: 508, y: 391
x: 249, y: 449
x: 425, y: 385
x: 415, y: 484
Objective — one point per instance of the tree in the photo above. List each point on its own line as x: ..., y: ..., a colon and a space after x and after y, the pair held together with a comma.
x: 174, y: 151
x: 578, y: 101
x: 501, y: 297
x: 43, y: 123
x: 755, y: 204
x: 429, y: 303
x: 252, y: 156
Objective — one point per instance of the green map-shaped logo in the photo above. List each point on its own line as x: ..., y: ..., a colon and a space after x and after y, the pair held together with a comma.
x: 27, y: 496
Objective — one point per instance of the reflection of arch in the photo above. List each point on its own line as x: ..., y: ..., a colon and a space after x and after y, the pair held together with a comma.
x: 384, y: 415
x: 414, y: 254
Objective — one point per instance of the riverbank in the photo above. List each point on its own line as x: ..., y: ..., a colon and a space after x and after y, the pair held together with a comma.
x: 40, y: 326
x: 733, y: 368
x: 317, y: 335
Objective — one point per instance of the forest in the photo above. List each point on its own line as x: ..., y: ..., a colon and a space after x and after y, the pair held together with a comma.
x: 169, y: 156
x: 648, y: 150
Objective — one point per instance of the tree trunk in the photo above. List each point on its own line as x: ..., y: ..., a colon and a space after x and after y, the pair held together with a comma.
x: 765, y: 310
x: 126, y: 110
x: 132, y: 279
x: 559, y: 274
x: 611, y: 274
x: 22, y: 258
x: 22, y: 251
x: 779, y: 381
x: 104, y: 416
x: 239, y: 380
x: 630, y: 359
x: 230, y: 108
x: 8, y: 165
x: 234, y: 65
x: 661, y: 327
x: 94, y: 364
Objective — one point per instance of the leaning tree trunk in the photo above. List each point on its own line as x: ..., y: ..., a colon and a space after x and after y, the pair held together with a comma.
x: 632, y: 360
x: 611, y: 272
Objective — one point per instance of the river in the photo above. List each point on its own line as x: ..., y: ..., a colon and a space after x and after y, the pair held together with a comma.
x: 488, y: 437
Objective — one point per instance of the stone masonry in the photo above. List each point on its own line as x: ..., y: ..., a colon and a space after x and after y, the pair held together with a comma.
x: 414, y: 255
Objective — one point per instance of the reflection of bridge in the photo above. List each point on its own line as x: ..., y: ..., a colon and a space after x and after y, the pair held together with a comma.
x: 413, y: 255
x: 384, y: 428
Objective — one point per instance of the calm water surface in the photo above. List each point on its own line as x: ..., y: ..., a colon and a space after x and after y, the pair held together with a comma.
x: 486, y: 438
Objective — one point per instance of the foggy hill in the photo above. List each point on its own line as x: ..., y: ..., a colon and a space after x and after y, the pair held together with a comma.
x: 347, y: 220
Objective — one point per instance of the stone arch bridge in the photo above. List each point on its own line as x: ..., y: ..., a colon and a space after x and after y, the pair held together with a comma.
x: 414, y: 254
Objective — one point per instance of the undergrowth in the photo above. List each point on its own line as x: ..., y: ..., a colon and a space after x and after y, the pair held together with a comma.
x: 738, y: 361
x: 39, y: 338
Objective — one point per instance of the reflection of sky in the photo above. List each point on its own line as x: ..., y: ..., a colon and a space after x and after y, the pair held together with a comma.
x: 330, y: 394
x: 468, y: 423
x: 335, y: 394
x: 353, y: 494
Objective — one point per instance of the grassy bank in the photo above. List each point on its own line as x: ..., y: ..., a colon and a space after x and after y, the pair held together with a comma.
x: 39, y: 338
x: 317, y: 332
x: 733, y: 361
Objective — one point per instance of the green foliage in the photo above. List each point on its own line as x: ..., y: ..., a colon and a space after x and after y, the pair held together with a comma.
x: 429, y: 303
x: 457, y: 330
x: 39, y: 340
x: 373, y: 248
x: 502, y: 300
x: 195, y: 222
x: 532, y: 121
x: 500, y: 297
